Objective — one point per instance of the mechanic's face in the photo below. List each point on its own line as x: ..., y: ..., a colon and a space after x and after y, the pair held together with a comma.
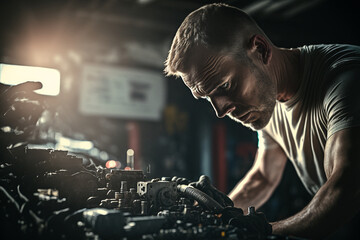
x: 234, y: 88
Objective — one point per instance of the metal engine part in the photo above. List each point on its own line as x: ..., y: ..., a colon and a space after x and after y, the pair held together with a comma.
x: 159, y: 194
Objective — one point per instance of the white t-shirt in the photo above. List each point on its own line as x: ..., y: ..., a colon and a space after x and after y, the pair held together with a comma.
x: 322, y: 106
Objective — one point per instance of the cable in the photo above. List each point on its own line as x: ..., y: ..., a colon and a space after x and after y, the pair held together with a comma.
x: 22, y: 196
x: 10, y: 198
x: 200, y: 197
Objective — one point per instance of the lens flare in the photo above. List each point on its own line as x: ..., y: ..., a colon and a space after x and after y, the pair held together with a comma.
x: 112, y: 164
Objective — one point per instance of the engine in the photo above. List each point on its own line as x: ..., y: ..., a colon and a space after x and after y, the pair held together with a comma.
x: 51, y: 194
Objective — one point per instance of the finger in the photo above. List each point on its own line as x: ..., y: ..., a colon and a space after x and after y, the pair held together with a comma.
x: 219, y: 199
x: 28, y: 86
x: 22, y: 87
x: 227, y: 200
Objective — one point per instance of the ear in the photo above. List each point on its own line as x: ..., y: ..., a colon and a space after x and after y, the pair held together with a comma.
x: 260, y: 46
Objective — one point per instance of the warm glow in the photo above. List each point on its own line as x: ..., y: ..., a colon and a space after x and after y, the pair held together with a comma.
x: 64, y: 143
x: 112, y: 164
x: 16, y: 74
x: 130, y: 152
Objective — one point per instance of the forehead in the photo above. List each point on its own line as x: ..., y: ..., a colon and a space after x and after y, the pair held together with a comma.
x: 208, y: 70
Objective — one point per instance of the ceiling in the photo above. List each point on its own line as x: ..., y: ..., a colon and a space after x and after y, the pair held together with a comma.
x: 95, y: 25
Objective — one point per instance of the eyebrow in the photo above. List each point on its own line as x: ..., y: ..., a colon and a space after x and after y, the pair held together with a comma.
x: 200, y: 93
x: 206, y: 86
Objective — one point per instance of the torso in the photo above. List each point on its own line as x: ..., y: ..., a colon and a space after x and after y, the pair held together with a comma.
x: 301, y: 125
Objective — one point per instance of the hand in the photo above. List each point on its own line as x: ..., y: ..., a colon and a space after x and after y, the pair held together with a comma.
x: 254, y: 222
x: 20, y: 110
x: 180, y: 180
x: 23, y: 90
x: 204, y: 185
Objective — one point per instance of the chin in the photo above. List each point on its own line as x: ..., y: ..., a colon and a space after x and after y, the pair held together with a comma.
x: 254, y: 125
x: 258, y: 124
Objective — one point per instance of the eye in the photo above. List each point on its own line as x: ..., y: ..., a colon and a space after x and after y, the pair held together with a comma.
x: 224, y: 86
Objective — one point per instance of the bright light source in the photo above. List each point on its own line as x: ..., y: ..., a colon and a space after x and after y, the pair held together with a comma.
x: 16, y: 74
x: 74, y: 144
x: 130, y: 158
x: 113, y: 164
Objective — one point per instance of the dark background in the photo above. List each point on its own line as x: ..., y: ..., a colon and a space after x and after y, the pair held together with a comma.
x: 187, y: 140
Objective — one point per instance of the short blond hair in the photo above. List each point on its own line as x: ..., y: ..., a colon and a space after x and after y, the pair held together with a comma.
x: 214, y: 26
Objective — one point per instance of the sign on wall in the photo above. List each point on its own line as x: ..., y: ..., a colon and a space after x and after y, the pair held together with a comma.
x: 122, y: 92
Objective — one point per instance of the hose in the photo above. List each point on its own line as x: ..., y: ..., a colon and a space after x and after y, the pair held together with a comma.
x: 9, y: 197
x: 201, y: 197
x: 22, y: 196
x: 21, y: 208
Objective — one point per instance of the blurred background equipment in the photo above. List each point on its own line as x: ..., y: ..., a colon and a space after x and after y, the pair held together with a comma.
x: 122, y: 92
x: 113, y: 95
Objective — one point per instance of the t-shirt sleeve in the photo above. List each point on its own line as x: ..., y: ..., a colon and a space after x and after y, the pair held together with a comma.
x: 265, y: 141
x: 342, y: 102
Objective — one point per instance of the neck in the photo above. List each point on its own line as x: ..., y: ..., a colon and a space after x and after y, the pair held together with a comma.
x: 285, y: 67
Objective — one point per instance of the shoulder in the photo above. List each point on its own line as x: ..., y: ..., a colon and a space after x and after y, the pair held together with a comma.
x: 344, y: 81
x: 330, y: 48
x: 343, y: 74
x: 322, y: 65
x: 331, y: 56
x: 342, y: 100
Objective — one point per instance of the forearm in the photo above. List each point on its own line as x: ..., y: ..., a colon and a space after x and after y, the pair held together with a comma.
x: 259, y: 183
x: 253, y: 190
x: 335, y: 203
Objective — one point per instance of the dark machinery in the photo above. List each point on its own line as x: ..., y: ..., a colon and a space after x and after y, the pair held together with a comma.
x: 49, y: 194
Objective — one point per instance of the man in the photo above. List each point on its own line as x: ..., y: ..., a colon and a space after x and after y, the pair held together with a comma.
x: 303, y: 102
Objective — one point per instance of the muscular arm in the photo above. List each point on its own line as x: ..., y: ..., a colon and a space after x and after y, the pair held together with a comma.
x: 259, y: 183
x: 338, y: 199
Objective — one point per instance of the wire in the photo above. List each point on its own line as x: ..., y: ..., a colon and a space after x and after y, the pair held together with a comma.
x: 10, y: 198
x: 22, y: 196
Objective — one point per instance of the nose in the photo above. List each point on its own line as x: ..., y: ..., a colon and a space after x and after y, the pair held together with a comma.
x: 221, y: 105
